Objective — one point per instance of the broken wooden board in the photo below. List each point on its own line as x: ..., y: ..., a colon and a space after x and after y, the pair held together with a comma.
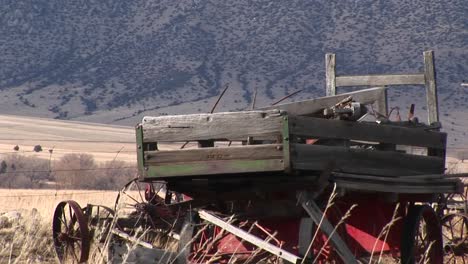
x: 229, y: 126
x: 309, y: 107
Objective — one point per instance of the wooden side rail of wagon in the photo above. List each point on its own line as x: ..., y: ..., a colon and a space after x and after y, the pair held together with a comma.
x: 277, y: 143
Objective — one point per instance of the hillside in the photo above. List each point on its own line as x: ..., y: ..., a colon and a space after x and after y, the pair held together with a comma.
x: 115, y: 61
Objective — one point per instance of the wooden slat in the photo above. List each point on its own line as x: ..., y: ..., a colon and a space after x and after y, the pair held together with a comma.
x: 410, y: 180
x: 382, y: 104
x: 308, y: 107
x: 218, y: 126
x: 380, y: 80
x: 326, y: 227
x: 214, y: 167
x: 291, y: 258
x: 396, y: 188
x: 339, y: 129
x: 330, y: 74
x: 252, y: 152
x: 431, y: 88
x: 359, y: 161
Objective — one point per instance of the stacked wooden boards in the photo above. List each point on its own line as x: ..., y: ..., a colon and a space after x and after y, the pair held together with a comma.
x: 275, y: 142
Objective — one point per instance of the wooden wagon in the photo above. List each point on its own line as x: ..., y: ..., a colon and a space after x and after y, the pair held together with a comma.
x: 303, y: 182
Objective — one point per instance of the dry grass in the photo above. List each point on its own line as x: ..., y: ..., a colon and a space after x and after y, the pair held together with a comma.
x: 29, y: 240
x: 44, y: 201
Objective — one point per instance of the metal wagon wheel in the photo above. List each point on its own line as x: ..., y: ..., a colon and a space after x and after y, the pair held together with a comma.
x: 99, y: 223
x: 455, y: 236
x: 141, y: 212
x: 70, y: 233
x: 421, y: 237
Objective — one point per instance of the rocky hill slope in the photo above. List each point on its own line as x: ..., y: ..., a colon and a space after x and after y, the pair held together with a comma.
x: 113, y: 61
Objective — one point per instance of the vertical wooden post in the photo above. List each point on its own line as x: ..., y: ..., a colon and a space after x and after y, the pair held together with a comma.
x: 140, y: 151
x: 382, y: 104
x: 330, y: 74
x: 431, y: 88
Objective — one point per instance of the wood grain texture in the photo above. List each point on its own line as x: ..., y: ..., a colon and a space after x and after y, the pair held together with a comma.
x: 330, y: 74
x: 309, y: 107
x: 431, y: 88
x: 397, y: 187
x: 250, y: 152
x: 360, y: 161
x: 201, y: 168
x: 379, y: 80
x: 219, y: 126
x: 383, y: 133
x: 326, y: 227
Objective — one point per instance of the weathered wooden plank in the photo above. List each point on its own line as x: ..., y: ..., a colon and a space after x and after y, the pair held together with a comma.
x: 360, y: 161
x: 397, y: 188
x: 214, y: 167
x: 249, y: 237
x: 379, y: 80
x: 410, y: 180
x: 330, y: 74
x: 383, y: 133
x: 326, y: 227
x: 217, y: 126
x: 382, y: 104
x: 431, y: 88
x: 308, y: 107
x: 252, y: 152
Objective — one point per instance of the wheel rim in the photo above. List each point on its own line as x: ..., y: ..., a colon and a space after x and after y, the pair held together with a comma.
x: 70, y: 233
x: 455, y: 236
x: 100, y: 220
x: 421, y: 237
x: 142, y: 212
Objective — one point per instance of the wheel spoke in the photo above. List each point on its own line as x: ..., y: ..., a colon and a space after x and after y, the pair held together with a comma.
x: 64, y: 218
x: 139, y: 191
x: 74, y: 253
x: 126, y: 194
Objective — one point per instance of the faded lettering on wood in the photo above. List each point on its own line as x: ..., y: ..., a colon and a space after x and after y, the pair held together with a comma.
x: 251, y: 152
x: 213, y: 167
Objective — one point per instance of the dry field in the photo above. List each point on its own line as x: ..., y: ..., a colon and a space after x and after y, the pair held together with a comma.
x: 27, y: 237
x: 104, y: 142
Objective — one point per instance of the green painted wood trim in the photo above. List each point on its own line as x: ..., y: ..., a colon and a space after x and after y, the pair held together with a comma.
x: 214, y: 167
x: 286, y: 145
x: 140, y: 150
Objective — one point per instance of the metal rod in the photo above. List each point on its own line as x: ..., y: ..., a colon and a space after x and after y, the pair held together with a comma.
x: 212, y: 109
x: 286, y: 97
x: 219, y: 98
x: 254, y: 99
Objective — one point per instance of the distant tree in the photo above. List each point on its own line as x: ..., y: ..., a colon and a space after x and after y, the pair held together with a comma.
x: 75, y: 171
x: 37, y: 148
